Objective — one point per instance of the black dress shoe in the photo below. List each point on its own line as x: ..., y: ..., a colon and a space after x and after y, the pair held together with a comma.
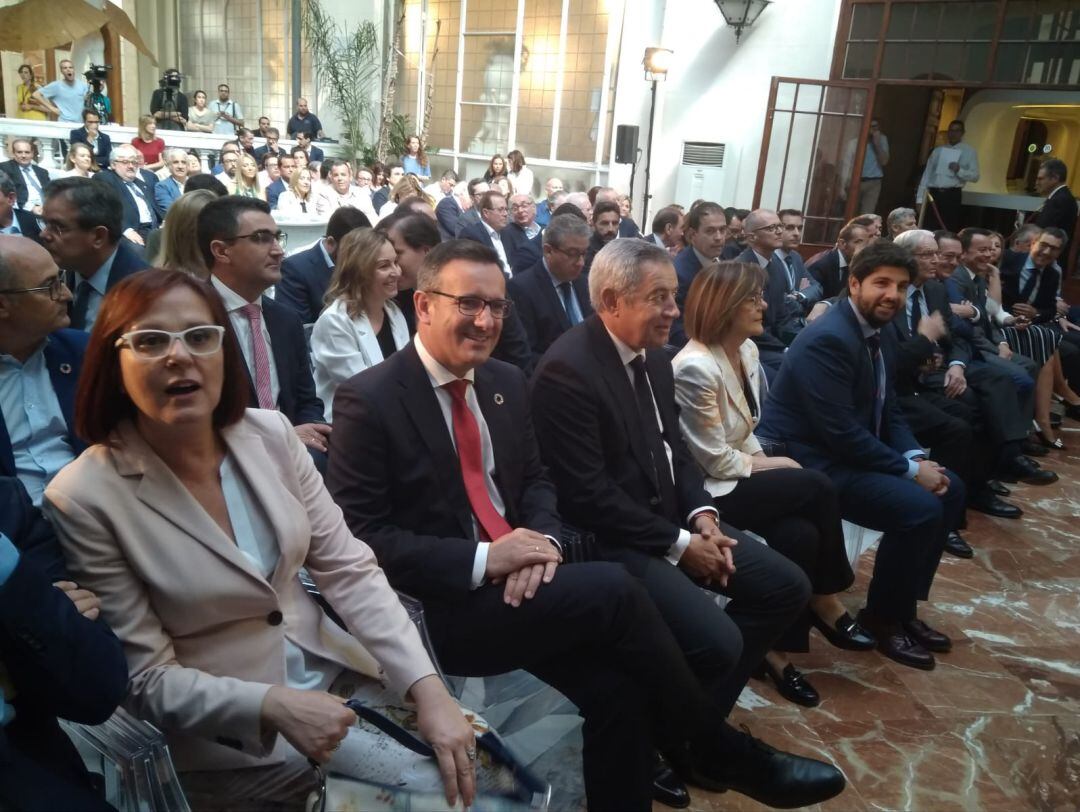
x: 791, y: 684
x: 769, y: 776
x: 896, y: 644
x: 668, y: 789
x: 997, y: 487
x: 931, y: 639
x: 988, y: 502
x: 1072, y: 411
x: 845, y: 633
x: 1024, y: 470
x: 1033, y: 449
x: 955, y: 545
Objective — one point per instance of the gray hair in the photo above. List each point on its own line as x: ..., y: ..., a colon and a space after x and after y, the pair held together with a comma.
x: 578, y: 198
x: 171, y: 152
x: 911, y: 239
x: 620, y: 267
x: 896, y: 215
x: 127, y: 149
x: 563, y: 226
x: 7, y: 185
x: 755, y: 219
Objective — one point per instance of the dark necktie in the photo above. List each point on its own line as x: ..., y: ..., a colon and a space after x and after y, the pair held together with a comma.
x: 566, y: 291
x: 491, y: 523
x: 873, y: 345
x: 916, y: 310
x: 1030, y: 285
x: 665, y: 485
x: 80, y: 305
x: 790, y: 262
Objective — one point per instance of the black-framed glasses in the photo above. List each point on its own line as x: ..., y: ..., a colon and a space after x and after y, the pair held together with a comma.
x: 263, y: 236
x: 55, y: 286
x: 205, y: 339
x: 474, y: 305
x: 573, y: 256
x: 775, y: 228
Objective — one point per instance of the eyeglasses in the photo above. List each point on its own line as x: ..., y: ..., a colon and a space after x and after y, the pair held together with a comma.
x: 474, y: 305
x: 54, y: 286
x: 262, y: 237
x: 775, y: 228
x: 573, y: 256
x: 757, y: 299
x: 58, y: 228
x: 522, y: 206
x: 151, y: 344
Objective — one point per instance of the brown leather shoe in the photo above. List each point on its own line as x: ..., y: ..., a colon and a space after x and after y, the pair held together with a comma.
x: 896, y: 644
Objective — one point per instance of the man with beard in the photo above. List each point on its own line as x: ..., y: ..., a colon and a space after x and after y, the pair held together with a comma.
x: 834, y: 405
x: 605, y: 222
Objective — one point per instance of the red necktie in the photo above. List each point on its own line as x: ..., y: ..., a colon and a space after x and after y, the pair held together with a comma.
x: 260, y: 356
x: 467, y: 438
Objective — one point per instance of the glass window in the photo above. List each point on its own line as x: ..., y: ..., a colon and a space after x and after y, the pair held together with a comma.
x: 866, y: 21
x: 859, y: 63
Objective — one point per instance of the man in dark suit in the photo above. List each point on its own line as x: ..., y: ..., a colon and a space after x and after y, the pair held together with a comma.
x: 667, y: 229
x: 450, y: 208
x: 553, y: 295
x: 801, y: 291
x: 314, y: 154
x: 286, y: 165
x: 470, y: 216
x: 435, y: 465
x: 835, y: 407
x: 605, y: 223
x: 705, y: 233
x: 83, y: 224
x: 736, y: 242
x: 90, y: 134
x: 242, y: 247
x: 30, y: 180
x: 1059, y: 209
x: 56, y: 660
x: 627, y: 227
x: 488, y: 231
x: 139, y: 216
x: 305, y: 275
x: 14, y: 220
x: 830, y: 270
x: 271, y: 146
x: 521, y: 237
x: 763, y: 232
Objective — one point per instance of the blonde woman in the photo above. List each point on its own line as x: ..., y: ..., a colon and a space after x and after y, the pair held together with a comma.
x: 409, y: 186
x: 361, y: 324
x: 148, y: 144
x: 247, y: 179
x: 298, y: 198
x: 179, y: 251
x: 79, y: 162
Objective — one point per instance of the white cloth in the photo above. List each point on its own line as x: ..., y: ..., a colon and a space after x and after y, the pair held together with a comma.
x: 233, y: 303
x: 327, y: 201
x: 522, y: 182
x: 496, y: 240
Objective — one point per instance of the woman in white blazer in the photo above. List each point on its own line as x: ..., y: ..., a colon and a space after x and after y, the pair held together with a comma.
x: 361, y: 325
x: 718, y: 385
x: 190, y: 516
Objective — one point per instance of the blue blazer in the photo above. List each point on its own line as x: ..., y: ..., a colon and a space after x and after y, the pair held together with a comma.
x: 63, y: 358
x: 104, y: 145
x: 447, y: 212
x: 28, y: 223
x: 304, y: 280
x: 821, y: 403
x: 541, y: 310
x: 687, y: 266
x: 61, y: 664
x: 521, y: 252
x: 477, y: 233
x: 297, y: 399
x: 1045, y: 300
x: 166, y: 192
x: 131, y: 211
x: 828, y: 273
x: 776, y: 315
x: 128, y: 260
x: 273, y: 192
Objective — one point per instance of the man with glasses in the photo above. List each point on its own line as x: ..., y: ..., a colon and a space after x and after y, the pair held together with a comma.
x: 521, y: 237
x: 90, y: 134
x: 82, y: 224
x: 553, y: 295
x: 40, y: 361
x: 764, y: 234
x: 243, y: 249
x: 30, y: 180
x: 14, y: 220
x: 705, y: 233
x: 137, y: 198
x: 488, y: 232
x: 801, y: 290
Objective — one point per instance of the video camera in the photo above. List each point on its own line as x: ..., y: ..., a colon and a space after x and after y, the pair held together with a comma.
x: 170, y: 81
x: 98, y: 73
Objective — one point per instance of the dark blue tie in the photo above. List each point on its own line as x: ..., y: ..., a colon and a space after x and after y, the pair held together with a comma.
x: 916, y: 310
x: 80, y: 305
x: 873, y: 344
x: 1030, y: 285
x: 790, y: 273
x: 567, y: 294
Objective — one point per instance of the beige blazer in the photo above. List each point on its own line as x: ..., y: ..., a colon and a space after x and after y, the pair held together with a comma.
x: 204, y: 632
x: 714, y: 415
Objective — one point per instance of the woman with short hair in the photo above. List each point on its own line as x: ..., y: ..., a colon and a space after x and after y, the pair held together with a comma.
x: 298, y: 198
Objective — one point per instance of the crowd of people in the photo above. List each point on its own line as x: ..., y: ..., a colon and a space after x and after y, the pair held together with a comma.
x: 563, y: 436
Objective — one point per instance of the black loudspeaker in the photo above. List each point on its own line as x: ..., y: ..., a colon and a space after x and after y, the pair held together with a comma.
x: 626, y: 136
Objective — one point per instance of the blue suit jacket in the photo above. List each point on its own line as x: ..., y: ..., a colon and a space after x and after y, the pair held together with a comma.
x: 297, y: 399
x: 128, y: 260
x: 447, y: 212
x: 104, y: 145
x: 166, y: 192
x: 63, y: 357
x: 541, y: 310
x: 28, y: 223
x: 273, y: 192
x: 821, y: 404
x: 305, y: 277
x: 60, y: 663
x: 777, y: 316
x: 477, y: 233
x: 131, y: 211
x: 687, y: 266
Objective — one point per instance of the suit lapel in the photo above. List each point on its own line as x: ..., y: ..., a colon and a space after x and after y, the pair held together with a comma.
x: 550, y: 295
x: 64, y: 378
x: 497, y: 415
x: 732, y: 384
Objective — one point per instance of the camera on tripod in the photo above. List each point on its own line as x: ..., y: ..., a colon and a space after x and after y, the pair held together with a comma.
x: 97, y: 73
x: 170, y: 80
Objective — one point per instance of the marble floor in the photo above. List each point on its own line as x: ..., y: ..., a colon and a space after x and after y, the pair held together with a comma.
x: 995, y: 727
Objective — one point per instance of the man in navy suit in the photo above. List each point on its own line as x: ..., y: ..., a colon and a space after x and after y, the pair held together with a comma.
x: 834, y: 406
x: 30, y: 180
x: 243, y: 249
x: 56, y: 660
x: 764, y: 234
x: 286, y: 166
x: 605, y: 223
x: 83, y: 224
x: 493, y: 218
x: 14, y: 220
x: 450, y: 208
x: 39, y: 364
x: 138, y: 214
x: 314, y: 154
x: 521, y: 237
x: 553, y: 295
x: 830, y: 270
x: 1059, y: 209
x: 305, y: 275
x: 801, y: 291
x: 168, y: 191
x: 90, y: 134
x: 705, y: 234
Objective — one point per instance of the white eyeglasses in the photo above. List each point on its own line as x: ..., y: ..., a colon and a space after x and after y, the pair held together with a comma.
x: 149, y: 344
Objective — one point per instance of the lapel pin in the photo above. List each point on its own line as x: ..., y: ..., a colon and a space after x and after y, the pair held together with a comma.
x: 499, y: 400
x: 65, y: 369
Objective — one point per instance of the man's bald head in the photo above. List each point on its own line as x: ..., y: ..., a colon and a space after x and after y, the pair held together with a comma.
x: 17, y: 256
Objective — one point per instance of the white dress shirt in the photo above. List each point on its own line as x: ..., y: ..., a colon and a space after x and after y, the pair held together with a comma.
x: 496, y: 240
x: 937, y: 174
x: 233, y: 303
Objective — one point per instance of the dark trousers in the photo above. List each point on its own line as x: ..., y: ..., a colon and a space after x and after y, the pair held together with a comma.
x: 948, y: 202
x: 914, y: 522
x: 723, y: 646
x: 593, y: 634
x: 1006, y: 408
x: 797, y: 513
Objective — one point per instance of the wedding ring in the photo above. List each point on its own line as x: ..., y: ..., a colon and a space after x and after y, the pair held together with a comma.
x: 470, y: 753
x: 336, y: 746
x: 536, y: 549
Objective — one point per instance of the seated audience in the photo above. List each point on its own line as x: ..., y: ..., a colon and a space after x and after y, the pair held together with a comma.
x: 58, y: 660
x: 605, y: 223
x: 30, y: 179
x: 552, y: 187
x: 705, y: 232
x: 667, y: 230
x: 339, y: 191
x: 90, y: 134
x: 286, y: 167
x: 206, y: 181
x: 801, y: 290
x: 736, y: 241
x: 450, y: 208
x: 488, y: 231
x: 392, y: 174
x: 361, y: 325
x: 718, y: 389
x: 470, y: 216
x: 177, y: 250
x: 79, y: 162
x: 138, y: 215
x: 168, y: 191
x: 605, y: 194
x: 269, y: 170
x: 82, y: 223
x: 580, y: 200
x: 764, y: 233
x: 246, y: 183
x: 521, y: 237
x: 195, y: 559
x: 270, y: 147
x: 830, y: 270
x: 408, y: 188
x: 194, y: 163
x: 413, y: 467
x: 313, y: 153
x: 14, y: 220
x: 299, y: 198
x: 834, y: 406
x: 148, y: 144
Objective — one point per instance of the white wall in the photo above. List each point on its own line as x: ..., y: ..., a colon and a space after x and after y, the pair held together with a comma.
x: 716, y: 90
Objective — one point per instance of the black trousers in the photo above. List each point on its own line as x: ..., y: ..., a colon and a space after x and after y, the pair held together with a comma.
x: 593, y: 634
x: 796, y: 511
x: 723, y: 646
x: 949, y: 203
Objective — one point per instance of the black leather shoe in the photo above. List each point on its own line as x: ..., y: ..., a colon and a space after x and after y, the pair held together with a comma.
x: 1033, y: 449
x: 845, y: 633
x: 1072, y: 411
x: 988, y: 502
x: 997, y: 487
x: 668, y: 789
x: 896, y: 644
x: 931, y: 639
x: 955, y: 545
x: 769, y: 776
x: 1022, y: 469
x: 791, y: 684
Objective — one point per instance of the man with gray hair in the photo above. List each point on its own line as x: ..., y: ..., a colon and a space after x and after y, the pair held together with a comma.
x: 899, y: 221
x: 168, y: 191
x: 552, y: 295
x: 140, y: 217
x: 521, y: 237
x: 14, y: 220
x: 583, y: 204
x: 604, y: 409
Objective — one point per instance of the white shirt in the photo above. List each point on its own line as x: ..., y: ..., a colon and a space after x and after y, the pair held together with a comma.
x: 327, y: 201
x: 626, y: 355
x: 522, y: 182
x: 33, y: 187
x: 141, y: 203
x: 233, y: 302
x: 937, y: 174
x: 496, y: 240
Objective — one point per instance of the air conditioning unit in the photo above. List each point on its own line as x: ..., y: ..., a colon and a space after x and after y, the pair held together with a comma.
x: 702, y: 174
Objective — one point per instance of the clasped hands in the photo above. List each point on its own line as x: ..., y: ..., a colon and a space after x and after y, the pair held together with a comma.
x: 522, y: 559
x: 708, y: 557
x: 932, y: 477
